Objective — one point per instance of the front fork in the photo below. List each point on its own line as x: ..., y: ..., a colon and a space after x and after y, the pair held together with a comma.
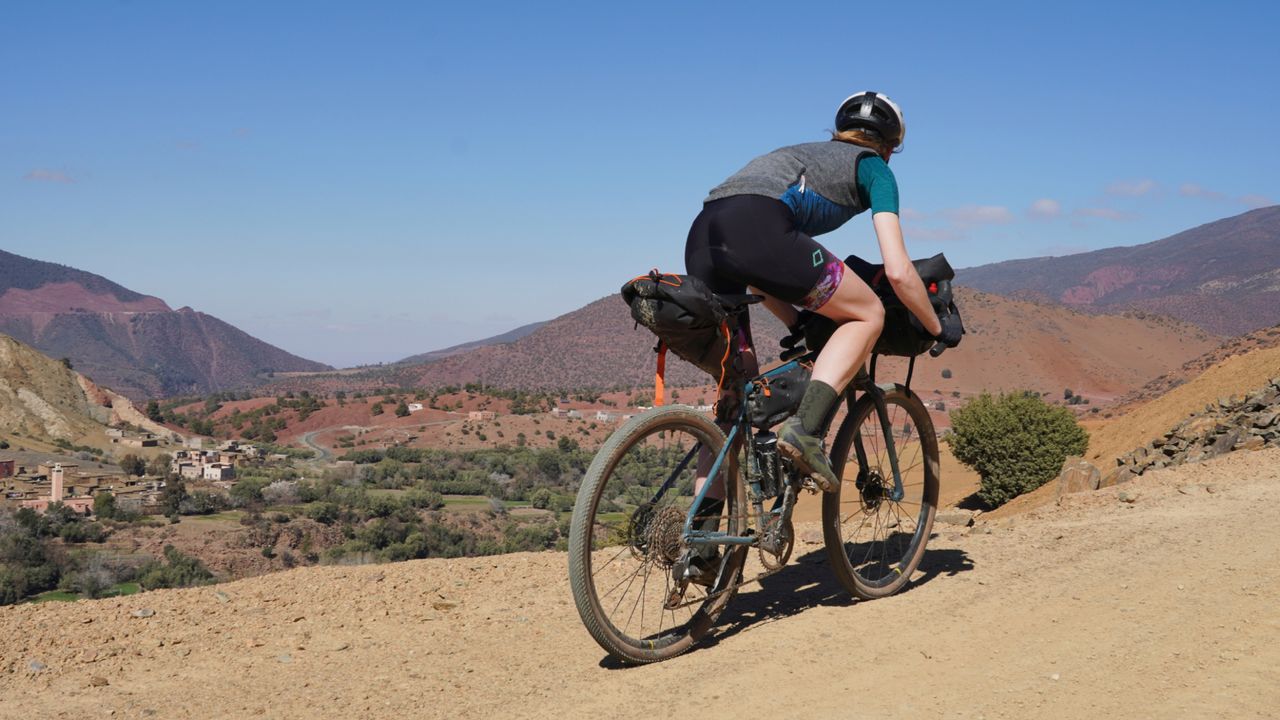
x: 882, y: 414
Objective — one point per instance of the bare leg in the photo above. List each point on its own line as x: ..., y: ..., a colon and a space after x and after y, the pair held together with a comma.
x: 781, y: 309
x: 727, y: 394
x: 861, y: 317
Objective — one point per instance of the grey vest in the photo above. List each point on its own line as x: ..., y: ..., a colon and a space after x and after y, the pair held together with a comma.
x: 818, y: 181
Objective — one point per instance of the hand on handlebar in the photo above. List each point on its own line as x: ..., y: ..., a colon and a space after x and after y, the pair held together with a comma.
x: 952, y: 330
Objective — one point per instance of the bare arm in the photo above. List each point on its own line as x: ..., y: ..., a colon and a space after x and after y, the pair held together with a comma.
x: 902, y: 275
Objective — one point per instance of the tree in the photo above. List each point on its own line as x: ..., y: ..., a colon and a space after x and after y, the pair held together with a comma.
x: 376, y: 409
x: 159, y: 465
x: 66, y: 363
x: 946, y: 373
x: 104, y: 505
x: 402, y: 410
x: 171, y: 497
x: 133, y: 465
x: 1015, y: 442
x: 153, y: 411
x: 1066, y: 394
x: 541, y: 498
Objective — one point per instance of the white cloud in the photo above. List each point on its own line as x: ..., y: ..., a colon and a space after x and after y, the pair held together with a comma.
x: 1250, y: 200
x: 1103, y: 213
x: 1045, y: 208
x: 910, y: 214
x: 979, y: 215
x: 44, y: 175
x: 1194, y: 190
x: 1136, y: 188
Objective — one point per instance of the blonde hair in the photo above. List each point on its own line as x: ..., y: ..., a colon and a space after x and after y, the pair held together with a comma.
x: 863, y: 138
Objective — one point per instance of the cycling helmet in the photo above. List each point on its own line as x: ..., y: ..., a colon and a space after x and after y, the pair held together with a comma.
x: 872, y: 112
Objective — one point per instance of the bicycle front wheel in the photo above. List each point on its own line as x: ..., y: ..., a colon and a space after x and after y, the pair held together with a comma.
x: 874, y: 541
x: 626, y: 545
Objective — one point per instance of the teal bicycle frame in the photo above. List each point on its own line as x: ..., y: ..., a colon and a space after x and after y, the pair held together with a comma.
x: 741, y: 427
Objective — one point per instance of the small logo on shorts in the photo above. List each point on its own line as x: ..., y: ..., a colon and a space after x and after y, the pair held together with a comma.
x: 817, y: 258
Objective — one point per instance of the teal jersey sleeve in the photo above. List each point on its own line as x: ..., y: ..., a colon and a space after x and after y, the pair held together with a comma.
x: 877, y: 187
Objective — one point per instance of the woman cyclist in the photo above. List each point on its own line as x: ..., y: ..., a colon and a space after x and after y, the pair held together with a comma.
x: 756, y: 231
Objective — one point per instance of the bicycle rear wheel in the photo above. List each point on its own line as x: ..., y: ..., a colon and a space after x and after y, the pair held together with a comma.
x: 625, y: 539
x: 875, y: 542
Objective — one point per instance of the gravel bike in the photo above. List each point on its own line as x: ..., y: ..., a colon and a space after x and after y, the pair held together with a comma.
x: 636, y: 535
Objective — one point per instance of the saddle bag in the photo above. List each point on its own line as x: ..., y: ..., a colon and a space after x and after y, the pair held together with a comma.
x: 686, y: 317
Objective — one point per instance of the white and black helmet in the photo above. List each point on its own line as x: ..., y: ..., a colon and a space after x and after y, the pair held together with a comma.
x: 874, y: 112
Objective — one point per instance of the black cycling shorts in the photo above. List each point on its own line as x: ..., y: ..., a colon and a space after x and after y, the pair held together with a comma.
x: 752, y: 240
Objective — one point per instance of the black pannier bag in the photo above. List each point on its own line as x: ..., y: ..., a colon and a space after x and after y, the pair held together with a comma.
x: 902, y: 335
x: 780, y: 391
x: 685, y: 315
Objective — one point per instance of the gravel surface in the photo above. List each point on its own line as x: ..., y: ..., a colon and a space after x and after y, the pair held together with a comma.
x: 1160, y: 604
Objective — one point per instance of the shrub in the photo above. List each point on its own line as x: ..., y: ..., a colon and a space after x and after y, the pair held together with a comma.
x: 946, y: 373
x: 324, y: 512
x: 178, y: 570
x: 1015, y: 442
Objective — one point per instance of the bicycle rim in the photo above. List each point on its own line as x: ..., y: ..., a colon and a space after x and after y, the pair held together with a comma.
x: 625, y: 540
x: 876, y: 542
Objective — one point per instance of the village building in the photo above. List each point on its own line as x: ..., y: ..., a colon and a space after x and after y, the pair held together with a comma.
x: 480, y: 415
x: 415, y: 407
x: 219, y: 471
x: 46, y: 468
x: 8, y: 468
x: 82, y: 505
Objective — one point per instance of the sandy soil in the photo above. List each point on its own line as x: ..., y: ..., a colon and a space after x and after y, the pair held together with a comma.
x: 1159, y: 607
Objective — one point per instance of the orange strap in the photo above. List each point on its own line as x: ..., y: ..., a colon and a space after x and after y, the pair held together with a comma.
x: 728, y: 350
x: 659, y: 379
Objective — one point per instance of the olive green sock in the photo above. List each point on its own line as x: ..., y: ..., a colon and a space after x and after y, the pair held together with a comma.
x: 815, y: 406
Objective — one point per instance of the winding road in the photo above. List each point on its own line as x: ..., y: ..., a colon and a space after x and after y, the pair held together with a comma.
x: 322, y: 453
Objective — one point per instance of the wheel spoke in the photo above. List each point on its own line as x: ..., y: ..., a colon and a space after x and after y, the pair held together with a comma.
x: 651, y: 454
x: 882, y: 539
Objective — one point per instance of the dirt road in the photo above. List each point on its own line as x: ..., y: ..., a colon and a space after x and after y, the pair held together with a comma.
x: 1160, y: 607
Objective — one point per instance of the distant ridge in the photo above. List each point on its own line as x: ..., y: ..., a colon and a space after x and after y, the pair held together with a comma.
x: 1013, y: 344
x: 133, y: 343
x: 504, y: 338
x: 1223, y: 276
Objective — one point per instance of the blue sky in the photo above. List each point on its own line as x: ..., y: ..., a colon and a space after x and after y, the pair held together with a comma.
x: 358, y: 182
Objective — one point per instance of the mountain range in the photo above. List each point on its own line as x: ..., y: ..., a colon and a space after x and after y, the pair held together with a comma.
x: 133, y: 343
x: 1223, y: 276
x: 504, y: 338
x: 1011, y: 344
